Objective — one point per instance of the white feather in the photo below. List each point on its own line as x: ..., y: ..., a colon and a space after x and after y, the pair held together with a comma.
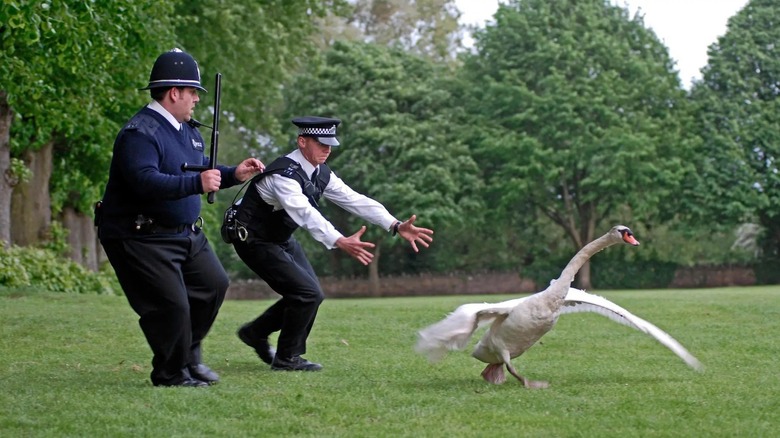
x: 578, y: 300
x: 454, y: 331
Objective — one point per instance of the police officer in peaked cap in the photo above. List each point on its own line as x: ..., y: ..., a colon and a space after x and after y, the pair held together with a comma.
x: 149, y: 224
x: 278, y: 202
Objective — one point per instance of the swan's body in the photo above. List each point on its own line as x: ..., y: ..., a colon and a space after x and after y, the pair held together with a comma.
x: 518, y: 324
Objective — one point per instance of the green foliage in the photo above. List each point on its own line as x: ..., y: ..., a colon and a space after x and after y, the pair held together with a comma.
x: 424, y: 27
x: 57, y: 239
x: 582, y: 117
x: 71, y: 70
x: 256, y: 46
x: 766, y: 271
x: 78, y: 365
x: 18, y: 171
x: 739, y: 120
x: 626, y: 269
x: 46, y: 270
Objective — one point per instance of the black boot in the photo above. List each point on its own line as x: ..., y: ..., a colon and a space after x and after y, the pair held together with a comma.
x: 295, y: 363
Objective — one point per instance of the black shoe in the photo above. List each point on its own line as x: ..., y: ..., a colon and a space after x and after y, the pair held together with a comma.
x: 263, y: 349
x: 203, y: 373
x: 187, y: 382
x: 295, y: 363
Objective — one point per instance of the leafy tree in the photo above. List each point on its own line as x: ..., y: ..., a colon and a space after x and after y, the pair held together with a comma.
x: 65, y: 67
x: 398, y: 142
x: 739, y: 121
x: 582, y: 118
x: 425, y: 27
x: 257, y: 47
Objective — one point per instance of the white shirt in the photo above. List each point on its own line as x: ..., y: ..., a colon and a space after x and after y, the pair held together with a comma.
x: 285, y: 193
x: 155, y: 105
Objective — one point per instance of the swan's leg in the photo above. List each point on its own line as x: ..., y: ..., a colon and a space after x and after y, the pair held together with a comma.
x: 494, y: 373
x: 532, y: 384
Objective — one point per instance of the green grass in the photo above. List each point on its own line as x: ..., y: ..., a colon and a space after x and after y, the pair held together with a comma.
x: 78, y: 366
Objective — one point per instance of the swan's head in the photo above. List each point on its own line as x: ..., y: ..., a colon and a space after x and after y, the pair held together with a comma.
x: 625, y: 234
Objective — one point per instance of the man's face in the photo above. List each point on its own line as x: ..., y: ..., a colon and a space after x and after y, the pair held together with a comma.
x: 315, y: 152
x: 183, y: 101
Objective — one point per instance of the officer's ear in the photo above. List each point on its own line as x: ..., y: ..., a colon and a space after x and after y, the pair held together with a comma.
x: 177, y: 93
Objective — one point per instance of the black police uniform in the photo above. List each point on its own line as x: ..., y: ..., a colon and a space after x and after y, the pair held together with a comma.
x: 272, y: 251
x: 275, y: 255
x: 148, y: 225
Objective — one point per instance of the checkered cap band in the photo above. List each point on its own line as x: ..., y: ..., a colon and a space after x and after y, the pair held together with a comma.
x: 318, y: 132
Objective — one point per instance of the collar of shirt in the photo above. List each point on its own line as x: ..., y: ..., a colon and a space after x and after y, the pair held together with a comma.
x: 155, y: 105
x: 297, y: 156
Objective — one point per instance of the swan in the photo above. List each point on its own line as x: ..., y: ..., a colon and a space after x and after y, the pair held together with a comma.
x: 516, y: 325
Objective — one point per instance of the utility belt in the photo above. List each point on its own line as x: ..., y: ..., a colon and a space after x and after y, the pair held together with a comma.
x: 147, y: 225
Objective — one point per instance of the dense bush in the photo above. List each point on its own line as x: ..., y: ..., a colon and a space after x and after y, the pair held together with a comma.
x: 766, y: 271
x: 44, y: 269
x: 614, y: 270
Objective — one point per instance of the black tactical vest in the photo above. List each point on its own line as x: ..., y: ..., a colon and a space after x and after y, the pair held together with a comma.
x: 262, y: 222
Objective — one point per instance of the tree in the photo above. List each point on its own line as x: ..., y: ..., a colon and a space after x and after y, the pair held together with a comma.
x: 257, y: 47
x: 64, y: 73
x: 398, y: 141
x: 738, y: 113
x: 425, y: 27
x: 582, y: 117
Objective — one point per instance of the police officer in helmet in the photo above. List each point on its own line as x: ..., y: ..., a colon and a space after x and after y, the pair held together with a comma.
x: 149, y: 224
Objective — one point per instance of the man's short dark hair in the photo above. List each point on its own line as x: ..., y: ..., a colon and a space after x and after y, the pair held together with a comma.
x: 158, y: 93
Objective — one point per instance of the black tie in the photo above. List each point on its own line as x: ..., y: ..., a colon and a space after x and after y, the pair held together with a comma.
x: 314, y: 174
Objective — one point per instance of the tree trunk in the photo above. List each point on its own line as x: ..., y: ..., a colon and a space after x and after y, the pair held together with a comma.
x: 582, y: 279
x: 373, y: 273
x: 6, y: 182
x: 30, y: 201
x: 84, y: 246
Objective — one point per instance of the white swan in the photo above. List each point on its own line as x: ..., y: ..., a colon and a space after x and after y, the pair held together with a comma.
x: 518, y: 324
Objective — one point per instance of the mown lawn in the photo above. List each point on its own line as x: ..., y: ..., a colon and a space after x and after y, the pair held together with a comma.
x: 78, y: 366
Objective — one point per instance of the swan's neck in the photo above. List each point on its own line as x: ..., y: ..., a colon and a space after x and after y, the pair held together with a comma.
x: 579, y: 259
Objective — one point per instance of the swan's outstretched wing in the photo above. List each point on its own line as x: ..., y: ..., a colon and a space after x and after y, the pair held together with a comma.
x: 581, y: 301
x: 454, y: 331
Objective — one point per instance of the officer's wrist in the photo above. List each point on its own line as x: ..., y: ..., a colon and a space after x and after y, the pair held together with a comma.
x: 394, y: 229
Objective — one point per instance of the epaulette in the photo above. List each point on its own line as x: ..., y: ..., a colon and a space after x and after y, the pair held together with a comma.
x: 143, y: 123
x: 291, y: 170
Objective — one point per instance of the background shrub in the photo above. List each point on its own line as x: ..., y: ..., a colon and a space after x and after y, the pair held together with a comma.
x: 26, y: 266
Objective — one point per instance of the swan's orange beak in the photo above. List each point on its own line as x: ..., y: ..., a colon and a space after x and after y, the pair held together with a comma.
x: 628, y: 237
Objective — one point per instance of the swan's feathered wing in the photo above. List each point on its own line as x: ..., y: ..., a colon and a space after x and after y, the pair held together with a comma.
x: 454, y: 331
x: 581, y: 301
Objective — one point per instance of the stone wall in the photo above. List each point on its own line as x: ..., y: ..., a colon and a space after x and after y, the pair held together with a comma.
x: 481, y: 284
x: 478, y: 284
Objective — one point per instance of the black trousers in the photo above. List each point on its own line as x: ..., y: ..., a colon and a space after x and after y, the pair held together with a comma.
x: 176, y: 285
x: 288, y: 272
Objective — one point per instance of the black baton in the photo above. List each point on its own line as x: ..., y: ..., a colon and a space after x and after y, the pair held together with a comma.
x: 214, y: 135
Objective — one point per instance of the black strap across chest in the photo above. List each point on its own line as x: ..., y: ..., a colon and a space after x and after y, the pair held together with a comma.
x: 290, y: 168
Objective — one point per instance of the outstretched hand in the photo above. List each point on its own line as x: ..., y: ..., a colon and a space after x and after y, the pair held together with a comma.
x: 356, y: 248
x: 415, y: 234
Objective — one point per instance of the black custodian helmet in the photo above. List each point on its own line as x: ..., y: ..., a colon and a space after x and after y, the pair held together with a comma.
x: 175, y: 69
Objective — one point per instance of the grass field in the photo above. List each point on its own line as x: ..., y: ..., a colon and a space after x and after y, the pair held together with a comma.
x: 78, y: 366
